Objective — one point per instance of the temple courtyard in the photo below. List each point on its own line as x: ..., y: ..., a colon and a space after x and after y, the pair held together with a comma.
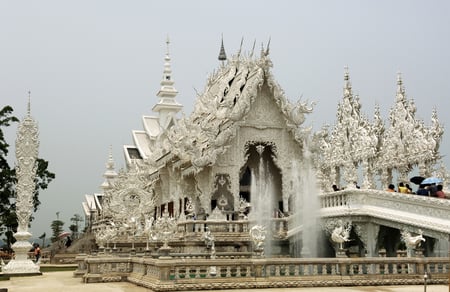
x: 64, y: 281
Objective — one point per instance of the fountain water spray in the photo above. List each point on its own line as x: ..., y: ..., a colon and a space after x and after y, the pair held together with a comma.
x: 262, y: 200
x: 306, y: 205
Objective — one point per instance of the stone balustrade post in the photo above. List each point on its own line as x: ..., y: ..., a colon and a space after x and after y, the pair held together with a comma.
x: 342, y: 269
x: 420, y: 266
x: 164, y: 271
x: 258, y: 267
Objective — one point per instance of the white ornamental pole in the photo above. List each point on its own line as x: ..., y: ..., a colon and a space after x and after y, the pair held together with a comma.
x: 27, y: 144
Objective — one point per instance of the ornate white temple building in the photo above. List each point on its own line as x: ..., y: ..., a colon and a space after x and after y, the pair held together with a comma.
x: 244, y: 152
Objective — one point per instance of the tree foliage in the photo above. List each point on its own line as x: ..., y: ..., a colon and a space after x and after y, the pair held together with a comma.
x: 75, y: 226
x: 57, y: 228
x: 8, y: 181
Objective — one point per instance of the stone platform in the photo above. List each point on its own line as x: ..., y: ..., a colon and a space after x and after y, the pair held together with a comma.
x: 64, y: 281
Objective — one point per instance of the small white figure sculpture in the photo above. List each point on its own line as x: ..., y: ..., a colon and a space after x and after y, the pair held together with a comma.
x: 341, y: 234
x: 412, y: 242
x: 258, y: 236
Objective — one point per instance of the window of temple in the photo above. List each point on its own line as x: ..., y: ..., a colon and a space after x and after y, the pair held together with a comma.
x: 170, y: 208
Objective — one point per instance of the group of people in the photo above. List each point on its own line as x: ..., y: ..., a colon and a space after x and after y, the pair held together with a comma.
x: 432, y: 190
x: 402, y: 188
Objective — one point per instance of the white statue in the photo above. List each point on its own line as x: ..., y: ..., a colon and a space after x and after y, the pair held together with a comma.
x: 258, y: 236
x: 341, y: 234
x: 190, y: 209
x: 412, y: 242
x: 149, y: 231
x: 209, y: 239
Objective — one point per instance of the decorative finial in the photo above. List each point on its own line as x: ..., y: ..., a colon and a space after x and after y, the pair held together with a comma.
x: 399, y: 78
x: 110, y: 152
x: 267, y: 48
x: 29, y: 103
x: 240, y: 48
x: 167, y: 42
x: 347, y: 84
x: 222, y: 54
x: 253, y: 49
x: 110, y: 163
x: 400, y: 88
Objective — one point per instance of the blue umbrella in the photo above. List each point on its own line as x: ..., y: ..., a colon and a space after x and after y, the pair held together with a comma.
x: 431, y: 180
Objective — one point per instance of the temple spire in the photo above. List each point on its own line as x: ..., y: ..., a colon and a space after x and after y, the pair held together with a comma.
x: 268, y: 47
x: 253, y: 49
x: 110, y: 173
x: 167, y: 105
x: 240, y: 47
x: 222, y: 54
x: 29, y: 104
x: 400, y: 87
x: 347, y: 83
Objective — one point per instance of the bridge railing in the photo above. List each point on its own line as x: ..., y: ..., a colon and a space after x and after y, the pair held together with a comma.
x: 356, y: 199
x: 401, y: 202
x: 195, y: 274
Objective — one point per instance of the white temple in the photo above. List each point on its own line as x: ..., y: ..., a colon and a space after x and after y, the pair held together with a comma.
x: 244, y: 131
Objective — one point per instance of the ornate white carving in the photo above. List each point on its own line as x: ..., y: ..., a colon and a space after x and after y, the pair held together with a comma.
x: 217, y: 214
x: 27, y: 145
x: 396, y: 210
x: 202, y: 156
x: 258, y: 236
x: 412, y: 242
x: 165, y: 228
x: 341, y: 233
x: 129, y: 196
x: 355, y: 142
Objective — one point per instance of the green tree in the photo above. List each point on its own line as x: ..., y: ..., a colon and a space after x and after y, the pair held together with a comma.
x: 76, y: 219
x: 7, y: 175
x: 43, y: 239
x: 8, y: 180
x: 57, y: 228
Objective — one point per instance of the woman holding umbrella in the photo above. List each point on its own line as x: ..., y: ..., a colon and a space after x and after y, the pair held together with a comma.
x: 422, y: 191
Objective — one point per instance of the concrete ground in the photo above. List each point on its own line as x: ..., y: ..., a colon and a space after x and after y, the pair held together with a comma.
x: 64, y: 281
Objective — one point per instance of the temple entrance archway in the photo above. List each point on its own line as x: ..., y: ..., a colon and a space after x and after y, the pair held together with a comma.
x: 261, y: 180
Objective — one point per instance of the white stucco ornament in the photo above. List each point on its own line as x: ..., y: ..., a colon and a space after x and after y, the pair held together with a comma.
x: 27, y: 145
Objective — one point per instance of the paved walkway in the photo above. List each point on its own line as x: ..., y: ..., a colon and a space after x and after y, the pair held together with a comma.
x: 64, y: 281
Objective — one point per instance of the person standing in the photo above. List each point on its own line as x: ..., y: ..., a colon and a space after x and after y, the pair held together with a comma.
x: 433, y: 190
x: 402, y: 189
x: 439, y: 192
x: 410, y: 191
x: 37, y: 253
x: 422, y: 191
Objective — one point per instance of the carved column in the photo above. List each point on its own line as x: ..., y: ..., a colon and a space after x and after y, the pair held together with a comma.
x: 337, y: 171
x: 27, y: 145
x: 367, y: 180
x: 386, y: 177
x: 368, y: 233
x: 234, y: 188
x: 287, y: 190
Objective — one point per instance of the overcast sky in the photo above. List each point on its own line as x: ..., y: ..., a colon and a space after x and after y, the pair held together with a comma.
x: 94, y: 68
